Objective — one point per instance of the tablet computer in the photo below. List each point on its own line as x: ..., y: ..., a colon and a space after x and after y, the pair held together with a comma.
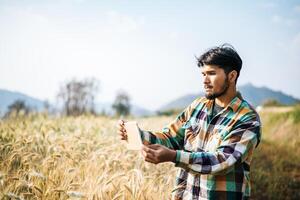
x: 134, y: 141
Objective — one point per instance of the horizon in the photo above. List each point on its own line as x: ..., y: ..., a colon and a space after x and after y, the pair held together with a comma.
x: 144, y: 48
x: 55, y: 104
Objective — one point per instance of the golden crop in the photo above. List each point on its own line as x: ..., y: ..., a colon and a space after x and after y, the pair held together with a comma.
x: 76, y: 158
x: 82, y: 158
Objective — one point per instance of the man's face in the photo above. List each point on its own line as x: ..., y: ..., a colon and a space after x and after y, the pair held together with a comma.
x: 215, y: 81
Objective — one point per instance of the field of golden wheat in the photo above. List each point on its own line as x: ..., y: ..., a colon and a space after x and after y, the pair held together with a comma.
x: 82, y: 158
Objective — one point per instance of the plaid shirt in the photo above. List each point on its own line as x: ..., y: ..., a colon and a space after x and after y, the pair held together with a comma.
x: 213, y: 153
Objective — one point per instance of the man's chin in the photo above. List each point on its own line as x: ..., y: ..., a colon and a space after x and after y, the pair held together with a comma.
x: 210, y: 96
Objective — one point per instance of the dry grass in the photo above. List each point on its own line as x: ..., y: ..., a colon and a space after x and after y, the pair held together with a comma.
x: 78, y: 158
x: 82, y: 158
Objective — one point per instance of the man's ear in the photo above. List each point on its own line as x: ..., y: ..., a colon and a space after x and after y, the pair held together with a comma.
x: 232, y: 76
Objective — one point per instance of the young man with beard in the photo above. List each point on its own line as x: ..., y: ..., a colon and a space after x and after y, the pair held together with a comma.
x: 213, y: 139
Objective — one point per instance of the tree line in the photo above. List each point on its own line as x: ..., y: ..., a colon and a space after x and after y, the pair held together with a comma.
x: 76, y: 97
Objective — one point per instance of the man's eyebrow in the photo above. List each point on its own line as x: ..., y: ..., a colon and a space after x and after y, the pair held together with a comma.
x: 209, y: 71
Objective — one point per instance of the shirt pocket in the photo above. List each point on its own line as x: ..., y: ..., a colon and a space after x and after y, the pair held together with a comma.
x: 192, y: 129
x: 213, y: 142
x: 192, y: 126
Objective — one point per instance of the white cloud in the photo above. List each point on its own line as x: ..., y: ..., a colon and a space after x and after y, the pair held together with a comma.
x: 269, y: 5
x: 293, y: 48
x: 279, y: 44
x: 290, y: 22
x: 173, y: 35
x: 296, y: 40
x: 73, y: 1
x: 123, y: 23
x: 26, y: 14
x: 297, y: 8
x: 277, y: 19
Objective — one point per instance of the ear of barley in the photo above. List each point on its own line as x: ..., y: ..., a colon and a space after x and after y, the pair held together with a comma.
x: 75, y: 194
x: 13, y: 196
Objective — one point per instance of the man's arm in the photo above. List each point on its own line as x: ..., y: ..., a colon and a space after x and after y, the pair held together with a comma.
x: 172, y: 136
x: 234, y: 148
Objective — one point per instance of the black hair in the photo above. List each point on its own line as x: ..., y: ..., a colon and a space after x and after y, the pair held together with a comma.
x: 224, y: 56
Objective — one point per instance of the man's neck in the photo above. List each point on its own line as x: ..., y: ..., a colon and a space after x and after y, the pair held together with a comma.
x: 225, y: 99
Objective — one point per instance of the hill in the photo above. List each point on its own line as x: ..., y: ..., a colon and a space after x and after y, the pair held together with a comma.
x: 254, y: 95
x: 8, y: 97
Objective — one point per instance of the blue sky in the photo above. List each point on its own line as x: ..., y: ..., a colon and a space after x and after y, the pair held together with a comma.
x: 146, y: 48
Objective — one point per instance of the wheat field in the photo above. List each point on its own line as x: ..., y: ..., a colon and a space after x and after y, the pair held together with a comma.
x: 82, y: 158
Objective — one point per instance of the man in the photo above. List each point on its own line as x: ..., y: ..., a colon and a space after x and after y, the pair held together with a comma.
x: 213, y: 139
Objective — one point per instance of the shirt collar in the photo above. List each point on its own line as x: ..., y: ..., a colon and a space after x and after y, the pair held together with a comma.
x: 234, y: 104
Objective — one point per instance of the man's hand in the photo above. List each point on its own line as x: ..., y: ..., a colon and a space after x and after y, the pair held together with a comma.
x: 156, y: 153
x: 121, y: 130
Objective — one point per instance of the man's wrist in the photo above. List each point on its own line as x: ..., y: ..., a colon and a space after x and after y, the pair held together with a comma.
x: 172, y: 156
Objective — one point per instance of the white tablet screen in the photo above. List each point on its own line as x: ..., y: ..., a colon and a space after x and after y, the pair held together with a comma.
x: 134, y: 141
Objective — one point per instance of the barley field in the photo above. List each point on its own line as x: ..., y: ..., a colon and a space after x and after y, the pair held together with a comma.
x: 43, y: 157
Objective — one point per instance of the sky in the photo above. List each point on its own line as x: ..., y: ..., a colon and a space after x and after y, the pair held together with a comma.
x: 146, y: 48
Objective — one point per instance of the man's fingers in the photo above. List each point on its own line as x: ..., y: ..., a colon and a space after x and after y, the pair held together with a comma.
x: 122, y: 133
x: 120, y: 127
x: 154, y: 146
x: 148, y: 150
x: 148, y: 156
x: 121, y: 130
x: 122, y: 138
x: 121, y: 122
x: 150, y: 161
x: 145, y: 148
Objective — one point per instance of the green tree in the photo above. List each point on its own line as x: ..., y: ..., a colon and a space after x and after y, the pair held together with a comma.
x: 121, y: 104
x: 78, y: 96
x: 169, y: 112
x: 17, y: 108
x: 271, y: 102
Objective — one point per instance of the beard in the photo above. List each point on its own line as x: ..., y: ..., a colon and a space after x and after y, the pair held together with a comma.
x: 218, y: 94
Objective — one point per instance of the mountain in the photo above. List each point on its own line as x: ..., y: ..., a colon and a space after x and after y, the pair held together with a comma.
x: 8, y: 97
x: 254, y: 95
x: 257, y: 95
x: 180, y: 102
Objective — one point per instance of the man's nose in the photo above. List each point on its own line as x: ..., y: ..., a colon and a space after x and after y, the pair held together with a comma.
x: 205, y: 80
